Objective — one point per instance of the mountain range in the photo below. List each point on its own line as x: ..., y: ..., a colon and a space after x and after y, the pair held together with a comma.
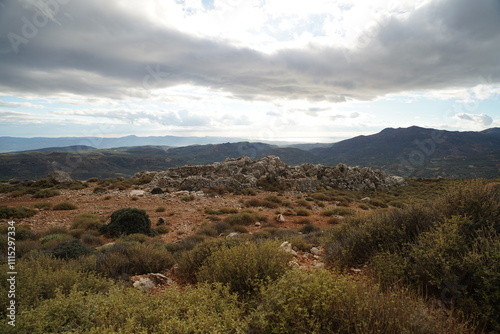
x: 408, y: 152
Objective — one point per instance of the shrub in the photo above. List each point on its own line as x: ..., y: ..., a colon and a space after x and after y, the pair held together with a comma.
x: 71, y: 250
x: 157, y: 191
x: 244, y: 218
x: 309, y: 228
x: 135, y: 237
x: 378, y: 203
x: 87, y: 221
x: 46, y: 193
x: 273, y: 198
x: 255, y: 202
x: 56, y: 236
x: 304, y: 203
x: 8, y: 212
x: 302, y: 212
x: 304, y: 221
x: 134, y: 259
x: 249, y: 192
x: 91, y: 240
x: 322, y: 302
x: 364, y: 207
x: 127, y: 221
x: 190, y: 262
x: 200, y: 309
x: 162, y: 229
x: 338, y: 212
x: 188, y: 198
x: 245, y: 268
x: 43, y: 205
x: 161, y: 209
x: 64, y: 206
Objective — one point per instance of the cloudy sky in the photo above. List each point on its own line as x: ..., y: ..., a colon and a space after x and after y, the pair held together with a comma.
x: 311, y: 71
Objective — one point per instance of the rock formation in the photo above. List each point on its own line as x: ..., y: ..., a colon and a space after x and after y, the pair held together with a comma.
x: 271, y: 173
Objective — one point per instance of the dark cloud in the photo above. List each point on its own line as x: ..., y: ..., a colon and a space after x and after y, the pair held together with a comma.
x: 101, y: 48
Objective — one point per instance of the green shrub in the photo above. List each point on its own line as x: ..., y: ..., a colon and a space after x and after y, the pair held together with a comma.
x: 249, y: 192
x: 46, y: 193
x: 134, y: 259
x: 245, y: 268
x: 56, y: 236
x: 304, y: 221
x: 64, y: 206
x: 378, y: 203
x: 71, y: 250
x: 9, y: 212
x: 127, y: 221
x: 302, y: 212
x: 255, y: 202
x: 41, y: 276
x: 91, y: 240
x: 162, y: 229
x: 244, y: 218
x: 188, y: 198
x: 201, y: 309
x: 273, y: 198
x: 322, y: 302
x: 338, y: 212
x: 364, y: 207
x: 135, y: 237
x: 309, y: 228
x: 190, y: 262
x: 87, y: 221
x: 43, y: 205
x: 161, y: 209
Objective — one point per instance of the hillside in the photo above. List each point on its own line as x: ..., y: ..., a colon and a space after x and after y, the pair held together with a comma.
x: 408, y: 152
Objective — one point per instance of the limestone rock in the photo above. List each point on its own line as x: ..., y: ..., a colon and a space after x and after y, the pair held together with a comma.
x: 149, y: 281
x: 59, y: 176
x: 270, y: 172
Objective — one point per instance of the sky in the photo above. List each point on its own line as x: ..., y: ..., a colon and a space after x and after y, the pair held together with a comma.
x: 268, y: 70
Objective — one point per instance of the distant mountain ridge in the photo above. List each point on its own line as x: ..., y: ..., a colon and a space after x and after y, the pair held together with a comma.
x: 408, y: 152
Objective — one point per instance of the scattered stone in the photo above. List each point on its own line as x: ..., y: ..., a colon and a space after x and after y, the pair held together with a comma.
x: 280, y: 218
x: 365, y: 199
x: 59, y: 176
x: 137, y: 193
x: 287, y: 247
x: 293, y: 264
x: 319, y: 265
x: 233, y: 235
x: 354, y: 270
x: 149, y: 281
x: 258, y: 224
x: 161, y: 221
x: 316, y: 251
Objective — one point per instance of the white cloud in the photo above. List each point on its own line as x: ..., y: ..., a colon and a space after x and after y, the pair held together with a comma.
x: 481, y: 119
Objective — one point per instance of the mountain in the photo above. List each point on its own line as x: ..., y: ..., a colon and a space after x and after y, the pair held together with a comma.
x: 421, y: 152
x: 16, y: 144
x: 409, y: 152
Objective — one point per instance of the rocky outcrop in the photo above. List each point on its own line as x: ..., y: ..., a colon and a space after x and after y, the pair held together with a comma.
x: 272, y: 174
x: 59, y: 176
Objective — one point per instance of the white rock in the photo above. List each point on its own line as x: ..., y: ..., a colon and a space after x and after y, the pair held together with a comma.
x: 137, y: 193
x: 316, y: 251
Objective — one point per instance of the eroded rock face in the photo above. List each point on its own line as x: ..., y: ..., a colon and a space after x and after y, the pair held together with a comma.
x: 272, y: 173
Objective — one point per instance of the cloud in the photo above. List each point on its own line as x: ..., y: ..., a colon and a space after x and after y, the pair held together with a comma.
x: 481, y: 119
x: 112, y: 50
x: 352, y: 115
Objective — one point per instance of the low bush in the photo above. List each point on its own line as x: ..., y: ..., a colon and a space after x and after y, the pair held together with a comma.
x: 161, y: 209
x: 71, y: 250
x: 378, y: 203
x: 43, y: 205
x: 46, y: 193
x: 309, y: 228
x: 255, y: 202
x: 322, y: 302
x: 338, y: 212
x: 91, y: 240
x: 245, y: 268
x: 244, y: 218
x: 9, y: 212
x: 302, y: 212
x: 162, y: 229
x: 64, y: 206
x: 190, y: 262
x: 123, y: 260
x: 87, y: 221
x: 127, y: 221
x: 201, y: 309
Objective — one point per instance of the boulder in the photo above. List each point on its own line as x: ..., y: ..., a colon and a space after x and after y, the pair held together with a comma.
x: 59, y: 176
x: 149, y: 281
